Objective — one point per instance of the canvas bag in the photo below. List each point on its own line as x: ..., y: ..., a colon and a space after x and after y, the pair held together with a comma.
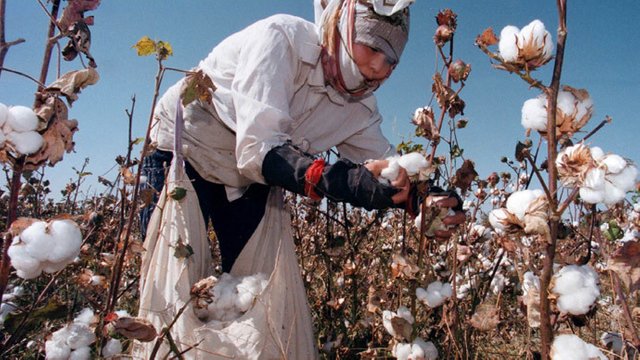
x: 277, y: 326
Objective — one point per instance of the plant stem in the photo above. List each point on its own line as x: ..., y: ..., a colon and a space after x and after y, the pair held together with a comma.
x: 55, y: 6
x: 546, y: 330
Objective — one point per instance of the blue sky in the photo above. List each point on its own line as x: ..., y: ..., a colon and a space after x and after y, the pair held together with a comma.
x: 603, y: 46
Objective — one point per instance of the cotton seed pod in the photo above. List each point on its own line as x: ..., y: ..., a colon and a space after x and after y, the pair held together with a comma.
x: 459, y: 71
x: 443, y: 34
x: 573, y: 163
x: 25, y: 143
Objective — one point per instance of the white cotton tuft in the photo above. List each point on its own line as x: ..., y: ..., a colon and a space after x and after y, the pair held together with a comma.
x: 566, y: 102
x: 112, y: 348
x: 413, y: 163
x: 577, y: 287
x: 625, y: 180
x: 85, y: 317
x: 23, y: 119
x: 508, y: 43
x: 435, y: 294
x: 234, y: 296
x: 597, y: 153
x: 3, y: 138
x: 25, y: 143
x: 519, y: 201
x: 83, y: 353
x: 4, y: 114
x: 614, y: 163
x: 536, y: 34
x: 496, y: 217
x: 390, y: 173
x: 80, y: 335
x: 534, y: 114
x: 68, y: 239
x: 571, y: 347
x: 27, y: 266
x: 401, y: 351
x: 530, y: 282
x: 56, y: 350
x: 405, y: 313
x: 429, y: 349
x: 39, y: 242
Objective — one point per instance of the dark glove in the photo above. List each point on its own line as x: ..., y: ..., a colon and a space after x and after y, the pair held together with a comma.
x: 290, y: 168
x: 420, y: 190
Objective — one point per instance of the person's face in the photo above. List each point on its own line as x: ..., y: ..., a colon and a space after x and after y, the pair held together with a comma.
x: 374, y: 65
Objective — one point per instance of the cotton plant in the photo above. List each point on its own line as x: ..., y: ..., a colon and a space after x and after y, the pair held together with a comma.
x: 531, y: 46
x: 571, y: 347
x: 228, y: 297
x: 413, y: 163
x: 576, y: 289
x: 601, y: 178
x: 73, y: 340
x: 18, y: 130
x: 399, y: 323
x: 45, y: 247
x: 435, y: 294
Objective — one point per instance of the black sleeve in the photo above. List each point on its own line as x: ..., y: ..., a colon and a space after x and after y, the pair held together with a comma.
x: 343, y: 181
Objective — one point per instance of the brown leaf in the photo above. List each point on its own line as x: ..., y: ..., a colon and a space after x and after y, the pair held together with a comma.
x: 49, y: 106
x: 424, y: 119
x: 127, y: 175
x: 58, y: 139
x: 71, y: 83
x: 465, y: 175
x: 75, y: 11
x: 135, y: 328
x: 197, y: 86
x: 375, y: 299
x: 447, y: 17
x: 487, y: 38
x: 403, y: 268
x: 402, y: 327
x: 625, y: 261
x: 486, y: 318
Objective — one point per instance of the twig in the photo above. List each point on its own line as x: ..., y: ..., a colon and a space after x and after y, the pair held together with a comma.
x: 166, y: 330
x: 607, y: 120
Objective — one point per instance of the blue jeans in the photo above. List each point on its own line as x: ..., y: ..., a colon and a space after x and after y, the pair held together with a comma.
x: 233, y: 222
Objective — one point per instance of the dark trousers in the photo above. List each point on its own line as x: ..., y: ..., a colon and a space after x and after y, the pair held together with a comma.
x: 233, y: 222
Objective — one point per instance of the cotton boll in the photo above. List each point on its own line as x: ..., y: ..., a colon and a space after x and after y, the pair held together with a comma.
x: 248, y: 289
x: 519, y: 201
x: 25, y: 143
x: 591, y: 196
x: 413, y: 163
x: 547, y: 51
x: 3, y: 138
x: 405, y: 313
x: 507, y: 46
x: 625, y: 180
x: 429, y: 349
x: 22, y: 261
x: 24, y: 119
x: 571, y: 347
x: 534, y: 31
x: 534, y: 114
x: 614, y: 163
x: 416, y: 352
x: 4, y: 113
x: 532, y: 41
x: 401, y: 351
x: 578, y: 303
x: 68, y: 238
x: 597, y: 153
x: 112, y: 348
x: 56, y: 350
x: 612, y: 194
x: 85, y: 317
x: 80, y: 335
x: 39, y: 242
x: 387, y: 315
x: 577, y: 287
x: 390, y: 173
x: 496, y: 217
x: 83, y: 353
x: 566, y: 102
x: 435, y: 294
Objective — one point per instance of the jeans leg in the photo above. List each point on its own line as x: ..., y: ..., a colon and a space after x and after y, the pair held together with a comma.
x: 154, y: 168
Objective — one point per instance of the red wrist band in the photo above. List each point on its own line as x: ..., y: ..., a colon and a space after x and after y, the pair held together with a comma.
x: 312, y: 177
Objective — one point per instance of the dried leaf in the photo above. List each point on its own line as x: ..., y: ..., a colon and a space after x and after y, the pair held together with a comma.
x: 71, y: 83
x: 625, y: 261
x: 424, y: 119
x: 532, y: 301
x: 135, y: 328
x: 163, y: 49
x: 465, y: 175
x: 536, y: 216
x: 58, y: 139
x: 487, y: 38
x: 127, y: 176
x: 403, y: 268
x: 74, y: 11
x: 447, y: 17
x: 486, y: 318
x: 79, y: 42
x: 198, y: 86
x: 402, y: 327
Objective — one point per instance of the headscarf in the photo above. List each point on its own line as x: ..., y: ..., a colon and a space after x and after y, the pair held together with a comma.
x: 345, y: 22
